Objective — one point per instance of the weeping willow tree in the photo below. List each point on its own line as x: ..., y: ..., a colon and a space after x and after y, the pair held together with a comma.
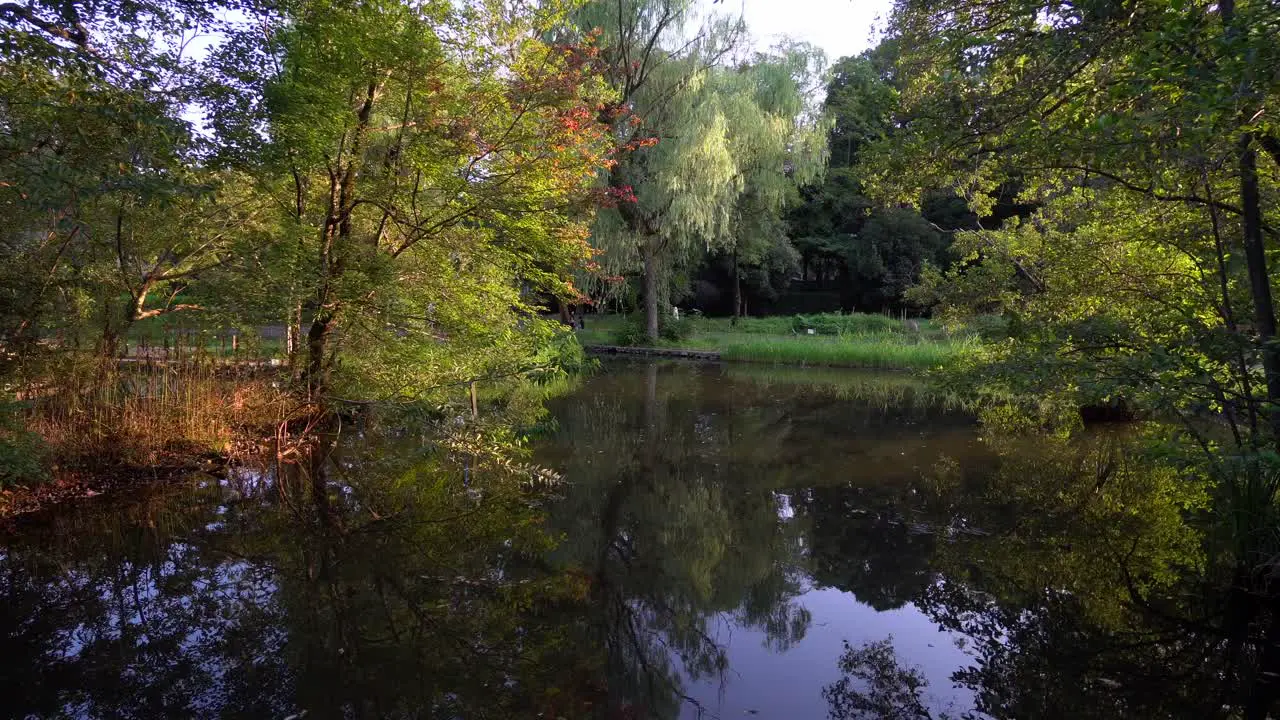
x: 780, y: 140
x: 706, y: 145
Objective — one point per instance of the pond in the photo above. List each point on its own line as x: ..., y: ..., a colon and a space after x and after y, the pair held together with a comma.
x: 675, y: 540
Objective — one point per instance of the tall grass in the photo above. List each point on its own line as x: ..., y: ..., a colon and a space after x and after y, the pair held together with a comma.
x: 866, y: 351
x: 101, y: 412
x: 836, y: 340
x: 839, y: 324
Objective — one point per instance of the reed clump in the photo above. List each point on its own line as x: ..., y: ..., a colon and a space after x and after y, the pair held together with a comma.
x: 105, y: 412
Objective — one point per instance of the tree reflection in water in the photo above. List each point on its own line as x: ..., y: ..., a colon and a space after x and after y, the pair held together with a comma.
x: 1071, y: 566
x: 675, y: 477
x: 380, y: 577
x: 1084, y: 594
x: 411, y: 596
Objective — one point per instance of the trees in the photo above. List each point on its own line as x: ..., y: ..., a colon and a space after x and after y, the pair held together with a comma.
x: 1133, y: 131
x: 674, y: 182
x: 779, y: 148
x: 437, y: 159
x: 406, y: 180
x: 406, y: 176
x: 871, y: 251
x: 104, y: 205
x: 1142, y: 133
x: 711, y: 150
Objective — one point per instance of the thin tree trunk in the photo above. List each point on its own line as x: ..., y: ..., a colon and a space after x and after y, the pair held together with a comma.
x: 109, y: 343
x: 317, y: 347
x: 737, y: 289
x: 293, y: 336
x: 650, y: 293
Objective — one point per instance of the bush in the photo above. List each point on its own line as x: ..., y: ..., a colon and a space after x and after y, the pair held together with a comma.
x: 632, y: 330
x: 839, y: 324
x: 989, y: 327
x: 562, y: 356
x: 22, y: 453
x: 676, y: 330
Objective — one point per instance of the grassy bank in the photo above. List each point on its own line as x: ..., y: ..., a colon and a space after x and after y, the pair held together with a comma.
x: 832, y: 340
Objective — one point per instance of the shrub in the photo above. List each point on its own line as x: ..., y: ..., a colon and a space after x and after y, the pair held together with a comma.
x: 561, y: 356
x: 676, y: 330
x: 22, y: 453
x: 839, y: 324
x: 989, y: 327
x: 632, y: 330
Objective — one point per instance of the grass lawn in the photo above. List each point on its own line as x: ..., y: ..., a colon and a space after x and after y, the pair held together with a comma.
x: 857, y: 340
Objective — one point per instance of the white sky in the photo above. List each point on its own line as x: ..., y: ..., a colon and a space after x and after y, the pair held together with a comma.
x: 840, y: 27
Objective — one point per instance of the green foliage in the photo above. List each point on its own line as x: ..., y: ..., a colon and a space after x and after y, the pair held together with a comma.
x: 563, y: 356
x: 631, y: 331
x: 846, y: 324
x: 399, y: 184
x: 108, y: 214
x: 22, y: 452
x: 675, y: 330
x: 848, y: 239
x: 1132, y: 279
x: 1144, y: 278
x: 711, y: 153
x: 443, y: 201
x: 860, y: 352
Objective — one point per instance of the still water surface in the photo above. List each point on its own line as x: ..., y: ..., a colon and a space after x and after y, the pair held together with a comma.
x: 724, y: 542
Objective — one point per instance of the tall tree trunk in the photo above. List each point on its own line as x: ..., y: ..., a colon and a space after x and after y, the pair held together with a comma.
x: 1259, y: 281
x: 650, y: 292
x: 335, y: 243
x: 1264, y: 314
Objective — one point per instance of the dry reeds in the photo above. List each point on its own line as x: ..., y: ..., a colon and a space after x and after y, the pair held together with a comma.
x: 149, y: 413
